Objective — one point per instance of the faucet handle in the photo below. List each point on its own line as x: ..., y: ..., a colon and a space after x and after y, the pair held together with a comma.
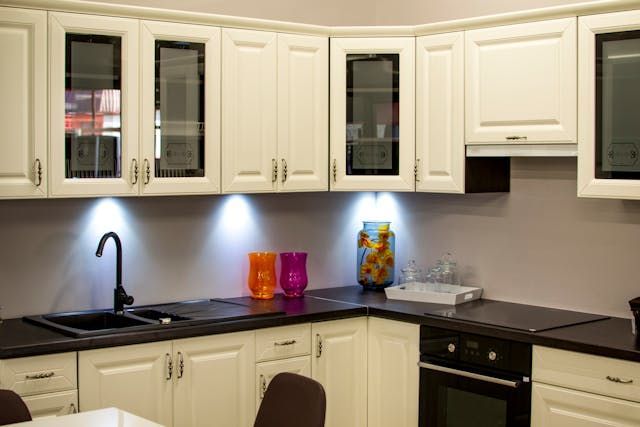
x: 128, y: 300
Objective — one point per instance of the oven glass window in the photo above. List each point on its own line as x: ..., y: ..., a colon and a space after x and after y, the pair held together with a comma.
x: 462, y: 409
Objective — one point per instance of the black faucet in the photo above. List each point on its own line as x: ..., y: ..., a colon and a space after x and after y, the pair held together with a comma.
x: 120, y: 297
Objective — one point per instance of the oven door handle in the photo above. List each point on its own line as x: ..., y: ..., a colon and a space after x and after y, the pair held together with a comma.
x: 486, y: 378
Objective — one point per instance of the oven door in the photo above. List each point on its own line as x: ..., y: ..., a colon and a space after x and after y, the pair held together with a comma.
x: 454, y: 397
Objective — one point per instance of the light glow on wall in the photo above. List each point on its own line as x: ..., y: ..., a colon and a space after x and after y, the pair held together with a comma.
x: 107, y: 215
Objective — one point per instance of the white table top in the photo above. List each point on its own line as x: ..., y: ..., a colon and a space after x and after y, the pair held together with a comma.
x: 110, y: 417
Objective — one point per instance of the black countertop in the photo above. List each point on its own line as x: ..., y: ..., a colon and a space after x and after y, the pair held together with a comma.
x: 611, y: 337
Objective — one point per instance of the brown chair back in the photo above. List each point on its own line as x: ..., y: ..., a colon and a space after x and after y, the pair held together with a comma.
x: 12, y: 408
x: 292, y: 400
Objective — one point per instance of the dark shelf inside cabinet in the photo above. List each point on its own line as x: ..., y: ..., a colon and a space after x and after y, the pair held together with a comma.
x: 487, y: 174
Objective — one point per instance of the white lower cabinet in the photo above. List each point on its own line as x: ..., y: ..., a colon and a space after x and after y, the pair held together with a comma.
x: 394, y: 375
x: 133, y: 378
x: 265, y: 372
x: 339, y: 363
x: 214, y: 380
x: 52, y: 404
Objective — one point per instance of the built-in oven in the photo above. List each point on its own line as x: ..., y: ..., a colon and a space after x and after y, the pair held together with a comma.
x: 473, y: 380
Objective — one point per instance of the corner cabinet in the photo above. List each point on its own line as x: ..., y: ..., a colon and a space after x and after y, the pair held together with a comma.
x: 608, y: 126
x: 521, y: 83
x: 180, y: 108
x: 93, y: 105
x: 372, y: 134
x: 339, y: 363
x: 394, y: 375
x: 23, y: 144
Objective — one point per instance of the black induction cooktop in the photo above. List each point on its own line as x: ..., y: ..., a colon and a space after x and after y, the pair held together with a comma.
x: 515, y: 316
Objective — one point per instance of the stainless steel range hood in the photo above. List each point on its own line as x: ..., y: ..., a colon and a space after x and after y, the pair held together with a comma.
x: 523, y: 150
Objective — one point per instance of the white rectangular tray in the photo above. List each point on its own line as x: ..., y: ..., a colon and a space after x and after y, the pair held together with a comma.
x: 429, y: 292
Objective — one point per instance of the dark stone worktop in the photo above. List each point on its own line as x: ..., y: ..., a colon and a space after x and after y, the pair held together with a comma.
x: 611, y: 337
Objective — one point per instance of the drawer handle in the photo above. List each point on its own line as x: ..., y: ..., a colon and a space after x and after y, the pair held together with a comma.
x: 72, y: 409
x: 283, y: 343
x: 516, y: 138
x: 40, y: 376
x: 618, y: 380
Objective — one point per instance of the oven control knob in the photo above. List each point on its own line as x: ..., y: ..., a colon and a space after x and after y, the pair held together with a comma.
x: 492, y: 355
x: 451, y: 347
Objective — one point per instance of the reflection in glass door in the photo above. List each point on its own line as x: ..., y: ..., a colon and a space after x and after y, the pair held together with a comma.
x: 373, y: 116
x: 92, y: 106
x: 179, y: 109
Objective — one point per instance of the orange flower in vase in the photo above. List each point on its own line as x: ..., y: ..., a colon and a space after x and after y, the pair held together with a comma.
x: 376, y: 252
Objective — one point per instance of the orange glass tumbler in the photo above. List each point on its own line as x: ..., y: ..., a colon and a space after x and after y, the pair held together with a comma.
x: 262, y: 274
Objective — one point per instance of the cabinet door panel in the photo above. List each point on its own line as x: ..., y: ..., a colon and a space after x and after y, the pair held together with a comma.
x: 180, y: 81
x: 93, y: 117
x: 23, y: 144
x: 394, y: 375
x: 133, y: 378
x: 52, y: 404
x: 521, y: 83
x: 341, y: 368
x: 560, y: 407
x: 249, y: 91
x: 303, y: 112
x: 265, y: 372
x: 440, y: 152
x: 217, y: 380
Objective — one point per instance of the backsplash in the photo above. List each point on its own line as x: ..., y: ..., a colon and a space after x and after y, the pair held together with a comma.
x: 539, y: 244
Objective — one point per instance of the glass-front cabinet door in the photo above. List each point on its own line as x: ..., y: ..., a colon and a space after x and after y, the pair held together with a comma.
x: 180, y: 134
x: 609, y: 129
x: 372, y: 114
x: 93, y: 105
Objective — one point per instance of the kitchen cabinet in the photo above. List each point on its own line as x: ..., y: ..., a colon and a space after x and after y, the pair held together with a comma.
x: 249, y: 111
x: 93, y: 105
x: 372, y: 136
x: 180, y: 108
x: 48, y: 384
x: 274, y: 112
x: 339, y: 363
x: 281, y: 349
x: 23, y: 144
x: 214, y: 380
x: 394, y: 376
x: 521, y: 83
x: 608, y: 70
x: 135, y: 378
x: 573, y: 389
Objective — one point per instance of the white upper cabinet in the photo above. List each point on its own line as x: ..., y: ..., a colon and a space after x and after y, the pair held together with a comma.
x: 303, y: 112
x: 521, y: 83
x: 608, y: 102
x: 93, y: 124
x: 23, y: 110
x: 249, y: 111
x: 372, y: 114
x: 180, y: 108
x: 440, y: 156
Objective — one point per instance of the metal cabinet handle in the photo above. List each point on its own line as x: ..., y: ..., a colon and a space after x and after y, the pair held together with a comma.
x: 263, y: 386
x: 516, y: 138
x: 318, y: 345
x: 472, y: 375
x: 274, y: 170
x: 180, y: 365
x: 284, y: 170
x: 416, y: 169
x: 335, y: 170
x: 619, y: 380
x: 72, y: 409
x: 40, y: 375
x: 37, y: 167
x: 169, y: 361
x: 134, y: 171
x: 282, y: 343
x: 147, y: 171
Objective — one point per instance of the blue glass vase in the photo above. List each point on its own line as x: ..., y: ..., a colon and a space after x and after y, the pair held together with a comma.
x: 376, y: 255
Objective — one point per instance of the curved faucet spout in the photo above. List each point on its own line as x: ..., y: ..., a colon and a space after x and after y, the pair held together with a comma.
x: 120, y: 297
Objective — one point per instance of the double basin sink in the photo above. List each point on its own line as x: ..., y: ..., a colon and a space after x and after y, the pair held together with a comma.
x: 104, y: 322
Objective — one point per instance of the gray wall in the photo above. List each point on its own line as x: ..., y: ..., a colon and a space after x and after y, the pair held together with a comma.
x: 538, y: 244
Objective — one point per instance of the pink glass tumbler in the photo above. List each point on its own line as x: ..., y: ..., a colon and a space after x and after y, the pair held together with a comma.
x: 293, y: 273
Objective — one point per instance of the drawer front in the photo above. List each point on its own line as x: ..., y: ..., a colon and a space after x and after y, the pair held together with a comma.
x: 595, y: 374
x: 265, y: 372
x: 285, y: 341
x: 39, y: 374
x: 52, y: 404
